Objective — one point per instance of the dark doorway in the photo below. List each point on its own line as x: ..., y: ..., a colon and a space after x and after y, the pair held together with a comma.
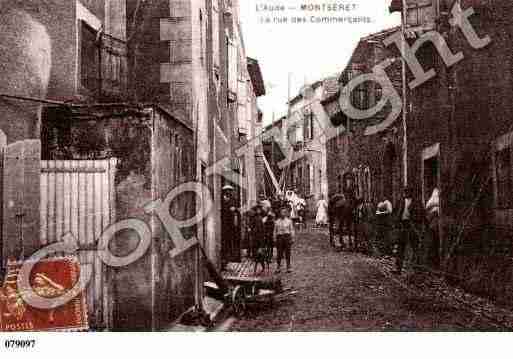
x: 431, y: 167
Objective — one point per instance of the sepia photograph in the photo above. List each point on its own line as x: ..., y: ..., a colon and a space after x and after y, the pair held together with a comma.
x: 247, y: 166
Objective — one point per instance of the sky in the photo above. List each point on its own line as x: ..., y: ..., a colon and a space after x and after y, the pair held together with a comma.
x: 308, y: 51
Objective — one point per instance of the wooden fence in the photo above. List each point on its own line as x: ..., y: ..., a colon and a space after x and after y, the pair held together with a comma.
x: 78, y: 197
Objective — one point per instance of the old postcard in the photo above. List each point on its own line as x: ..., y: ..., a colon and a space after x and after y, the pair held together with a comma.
x: 255, y: 166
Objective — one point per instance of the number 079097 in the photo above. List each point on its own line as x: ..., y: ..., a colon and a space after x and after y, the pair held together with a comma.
x: 19, y: 343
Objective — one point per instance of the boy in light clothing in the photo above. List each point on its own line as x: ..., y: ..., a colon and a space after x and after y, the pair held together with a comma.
x: 283, y: 236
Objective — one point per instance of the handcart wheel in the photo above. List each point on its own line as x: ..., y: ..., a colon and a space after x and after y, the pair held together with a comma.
x: 239, y: 301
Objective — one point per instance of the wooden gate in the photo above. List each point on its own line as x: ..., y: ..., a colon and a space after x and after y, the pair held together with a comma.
x: 78, y: 197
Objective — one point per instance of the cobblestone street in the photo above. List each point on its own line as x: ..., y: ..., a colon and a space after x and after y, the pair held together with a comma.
x: 352, y: 292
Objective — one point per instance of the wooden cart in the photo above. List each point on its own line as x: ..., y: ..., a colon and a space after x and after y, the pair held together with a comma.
x: 239, y: 287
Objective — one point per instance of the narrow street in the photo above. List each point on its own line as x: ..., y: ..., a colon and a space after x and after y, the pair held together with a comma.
x: 352, y: 292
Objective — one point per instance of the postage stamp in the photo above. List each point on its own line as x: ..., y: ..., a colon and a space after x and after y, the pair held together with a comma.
x: 49, y: 278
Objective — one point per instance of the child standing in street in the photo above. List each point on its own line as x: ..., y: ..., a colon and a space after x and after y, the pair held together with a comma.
x: 256, y: 228
x: 284, y: 235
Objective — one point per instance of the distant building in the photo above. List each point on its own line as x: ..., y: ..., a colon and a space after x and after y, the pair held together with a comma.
x: 301, y: 141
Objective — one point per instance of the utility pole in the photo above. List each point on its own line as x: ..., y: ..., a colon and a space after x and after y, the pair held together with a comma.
x: 273, y: 162
x: 405, y: 100
x: 289, y: 160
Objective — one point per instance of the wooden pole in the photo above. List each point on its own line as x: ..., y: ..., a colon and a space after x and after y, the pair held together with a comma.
x: 405, y: 100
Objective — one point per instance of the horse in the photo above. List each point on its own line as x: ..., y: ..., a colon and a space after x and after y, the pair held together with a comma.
x: 343, y: 214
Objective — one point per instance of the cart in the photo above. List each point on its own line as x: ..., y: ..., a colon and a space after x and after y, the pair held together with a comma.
x: 240, y: 288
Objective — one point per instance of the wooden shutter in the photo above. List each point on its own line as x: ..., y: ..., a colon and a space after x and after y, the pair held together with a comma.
x: 21, y: 198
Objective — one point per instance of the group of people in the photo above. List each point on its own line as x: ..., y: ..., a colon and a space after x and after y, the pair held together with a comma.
x: 270, y: 225
x: 296, y: 205
x: 410, y: 218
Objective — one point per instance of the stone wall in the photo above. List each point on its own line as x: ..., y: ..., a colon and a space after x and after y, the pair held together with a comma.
x: 155, y: 154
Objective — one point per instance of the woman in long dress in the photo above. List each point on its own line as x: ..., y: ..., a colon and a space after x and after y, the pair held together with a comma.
x: 321, y: 219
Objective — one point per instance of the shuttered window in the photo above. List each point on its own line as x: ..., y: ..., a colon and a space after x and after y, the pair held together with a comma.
x: 420, y: 12
x: 89, y: 58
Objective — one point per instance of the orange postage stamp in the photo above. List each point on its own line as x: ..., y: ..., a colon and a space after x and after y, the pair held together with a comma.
x: 49, y: 278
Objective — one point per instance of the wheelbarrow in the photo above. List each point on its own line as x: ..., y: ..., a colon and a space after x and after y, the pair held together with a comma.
x: 239, y: 291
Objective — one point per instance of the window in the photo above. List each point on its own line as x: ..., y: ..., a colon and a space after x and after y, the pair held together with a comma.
x: 311, y: 125
x: 360, y: 98
x: 420, y: 13
x: 89, y: 58
x: 504, y: 180
x: 306, y: 127
x: 427, y: 55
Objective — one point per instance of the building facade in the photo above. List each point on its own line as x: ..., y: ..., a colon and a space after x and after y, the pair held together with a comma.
x: 166, y: 91
x: 459, y: 135
x: 304, y: 142
x: 372, y: 159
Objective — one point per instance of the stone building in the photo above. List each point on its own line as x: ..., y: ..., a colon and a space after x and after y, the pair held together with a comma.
x: 372, y: 158
x: 304, y: 142
x: 149, y: 149
x: 459, y: 137
x: 189, y: 57
x: 152, y: 94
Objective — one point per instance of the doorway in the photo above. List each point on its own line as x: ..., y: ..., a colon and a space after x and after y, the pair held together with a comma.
x: 431, y: 179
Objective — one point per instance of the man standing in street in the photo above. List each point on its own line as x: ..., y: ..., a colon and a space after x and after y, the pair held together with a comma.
x: 383, y: 226
x: 230, y: 230
x: 409, y: 216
